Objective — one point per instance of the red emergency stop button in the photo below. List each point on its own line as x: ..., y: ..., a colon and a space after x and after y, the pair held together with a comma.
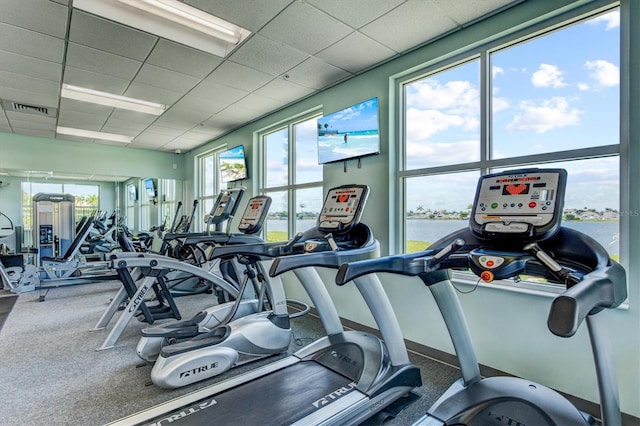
x: 486, y: 276
x: 532, y: 204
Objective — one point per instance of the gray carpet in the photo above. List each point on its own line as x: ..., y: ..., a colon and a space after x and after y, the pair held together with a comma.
x: 52, y: 374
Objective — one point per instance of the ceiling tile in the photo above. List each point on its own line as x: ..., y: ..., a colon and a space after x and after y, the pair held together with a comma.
x: 316, y: 74
x: 83, y: 117
x: 284, y: 90
x: 183, y: 59
x: 109, y: 36
x: 355, y: 53
x: 155, y: 139
x: 162, y: 130
x: 153, y: 94
x: 249, y: 14
x: 126, y: 124
x: 30, y: 121
x: 404, y: 27
x: 30, y: 43
x: 30, y: 131
x: 267, y: 55
x: 356, y: 13
x: 182, y: 118
x: 99, y: 61
x: 92, y: 80
x: 320, y: 30
x: 124, y: 116
x: 259, y: 104
x: 26, y: 97
x: 74, y: 138
x: 212, y: 90
x: 463, y: 11
x: 31, y: 84
x: 182, y: 144
x: 29, y: 66
x: 41, y: 16
x: 119, y: 131
x: 239, y: 76
x: 200, y: 102
x: 162, y: 77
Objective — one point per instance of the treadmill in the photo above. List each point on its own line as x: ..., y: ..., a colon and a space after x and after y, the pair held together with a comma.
x: 514, y: 229
x: 340, y: 379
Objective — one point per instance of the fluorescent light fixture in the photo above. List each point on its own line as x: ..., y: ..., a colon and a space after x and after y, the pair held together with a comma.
x: 93, y: 135
x: 190, y: 17
x: 109, y: 99
x: 173, y: 20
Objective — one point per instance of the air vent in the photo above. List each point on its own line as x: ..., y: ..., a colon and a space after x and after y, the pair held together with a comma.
x: 28, y: 109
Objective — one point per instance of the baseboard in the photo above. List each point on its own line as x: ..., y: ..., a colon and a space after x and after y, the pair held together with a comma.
x: 449, y: 359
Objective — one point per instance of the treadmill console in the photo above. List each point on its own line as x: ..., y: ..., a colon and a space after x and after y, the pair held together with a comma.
x: 523, y: 204
x: 342, y: 208
x: 254, y: 215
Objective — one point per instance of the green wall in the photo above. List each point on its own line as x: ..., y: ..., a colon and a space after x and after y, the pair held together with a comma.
x: 525, y: 346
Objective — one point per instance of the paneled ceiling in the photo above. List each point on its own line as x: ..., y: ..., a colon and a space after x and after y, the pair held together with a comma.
x: 297, y: 48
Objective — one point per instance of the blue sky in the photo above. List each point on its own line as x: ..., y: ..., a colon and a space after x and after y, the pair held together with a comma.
x: 362, y: 116
x: 557, y: 92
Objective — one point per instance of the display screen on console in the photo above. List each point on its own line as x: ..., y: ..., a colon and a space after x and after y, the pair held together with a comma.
x: 342, y: 207
x: 519, y: 201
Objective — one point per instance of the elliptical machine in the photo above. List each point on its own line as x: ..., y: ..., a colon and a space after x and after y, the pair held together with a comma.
x: 515, y: 229
x: 251, y: 300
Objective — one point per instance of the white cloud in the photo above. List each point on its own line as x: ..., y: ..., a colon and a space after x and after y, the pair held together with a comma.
x: 495, y: 71
x: 499, y: 104
x: 604, y: 72
x: 423, y: 154
x: 547, y: 76
x: 611, y: 20
x: 455, y: 95
x: 422, y: 124
x: 549, y: 114
x: 583, y: 87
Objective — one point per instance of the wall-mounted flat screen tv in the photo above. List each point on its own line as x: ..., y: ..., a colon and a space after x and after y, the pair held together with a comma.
x: 349, y: 133
x: 149, y: 187
x: 233, y: 164
x: 133, y: 192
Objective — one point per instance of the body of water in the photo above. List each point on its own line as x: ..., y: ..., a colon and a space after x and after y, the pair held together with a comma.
x: 606, y: 233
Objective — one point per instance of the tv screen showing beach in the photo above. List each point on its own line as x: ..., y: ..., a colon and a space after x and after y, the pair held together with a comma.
x: 349, y: 133
x: 233, y: 165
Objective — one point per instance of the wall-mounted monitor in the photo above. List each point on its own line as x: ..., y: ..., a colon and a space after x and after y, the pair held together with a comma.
x: 149, y: 187
x: 349, y: 133
x: 132, y: 190
x: 233, y: 164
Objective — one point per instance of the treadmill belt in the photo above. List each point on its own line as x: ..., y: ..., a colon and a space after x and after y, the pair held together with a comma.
x: 279, y: 398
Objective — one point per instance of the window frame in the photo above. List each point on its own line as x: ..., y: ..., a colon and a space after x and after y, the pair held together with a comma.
x: 486, y: 164
x: 291, y: 187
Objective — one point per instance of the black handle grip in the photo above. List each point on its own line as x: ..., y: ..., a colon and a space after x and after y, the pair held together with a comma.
x: 393, y: 264
x: 597, y: 290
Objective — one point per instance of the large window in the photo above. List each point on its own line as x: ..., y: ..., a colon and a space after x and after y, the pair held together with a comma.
x: 207, y: 186
x: 292, y: 177
x: 549, y: 101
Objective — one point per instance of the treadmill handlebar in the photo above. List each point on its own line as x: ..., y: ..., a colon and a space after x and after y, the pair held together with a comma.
x: 410, y: 264
x: 329, y: 259
x: 596, y: 291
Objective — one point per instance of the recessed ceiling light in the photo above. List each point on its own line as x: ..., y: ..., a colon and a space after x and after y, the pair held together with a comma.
x: 93, y: 135
x: 173, y: 20
x: 109, y: 99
